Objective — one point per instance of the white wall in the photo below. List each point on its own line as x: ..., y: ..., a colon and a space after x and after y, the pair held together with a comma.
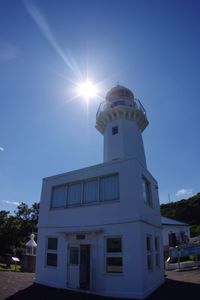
x: 129, y: 217
x: 136, y: 280
x: 166, y: 229
x: 130, y: 207
x: 127, y: 143
x: 152, y: 279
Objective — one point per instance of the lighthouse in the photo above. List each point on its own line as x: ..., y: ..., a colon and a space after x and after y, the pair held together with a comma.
x: 100, y: 227
x: 121, y: 119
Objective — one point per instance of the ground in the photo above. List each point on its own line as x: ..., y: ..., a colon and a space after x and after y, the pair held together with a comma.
x: 19, y: 286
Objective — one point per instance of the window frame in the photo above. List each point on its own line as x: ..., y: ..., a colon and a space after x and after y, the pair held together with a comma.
x: 118, y: 191
x: 118, y: 254
x: 98, y: 190
x: 30, y: 250
x: 148, y: 199
x: 82, y: 183
x: 81, y: 193
x: 157, y: 251
x: 74, y: 260
x: 65, y: 196
x: 115, y: 130
x: 149, y: 253
x: 51, y: 251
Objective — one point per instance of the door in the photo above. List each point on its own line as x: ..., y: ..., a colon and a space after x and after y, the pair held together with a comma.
x: 79, y: 267
x: 73, y: 267
x: 85, y: 267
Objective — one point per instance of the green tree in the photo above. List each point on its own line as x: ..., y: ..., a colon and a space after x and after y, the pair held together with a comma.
x: 3, y: 217
x: 16, y: 229
x: 23, y: 211
x: 185, y: 210
x: 35, y: 212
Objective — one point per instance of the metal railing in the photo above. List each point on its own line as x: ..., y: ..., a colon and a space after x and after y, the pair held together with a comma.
x: 105, y: 105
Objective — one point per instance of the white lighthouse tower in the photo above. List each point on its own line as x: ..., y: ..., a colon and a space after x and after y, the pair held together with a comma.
x: 121, y: 118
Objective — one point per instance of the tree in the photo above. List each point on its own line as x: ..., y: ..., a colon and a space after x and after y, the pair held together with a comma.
x: 16, y: 229
x: 185, y: 210
x: 9, y: 237
x: 35, y: 212
x: 3, y: 216
x: 23, y: 211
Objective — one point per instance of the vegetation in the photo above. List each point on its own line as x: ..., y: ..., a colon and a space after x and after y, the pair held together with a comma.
x: 13, y: 268
x: 16, y: 229
x: 187, y: 211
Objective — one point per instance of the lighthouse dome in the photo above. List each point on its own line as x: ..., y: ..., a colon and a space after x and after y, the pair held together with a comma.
x: 119, y: 92
x: 120, y: 103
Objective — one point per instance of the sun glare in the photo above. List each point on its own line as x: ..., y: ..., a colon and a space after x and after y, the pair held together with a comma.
x: 87, y: 90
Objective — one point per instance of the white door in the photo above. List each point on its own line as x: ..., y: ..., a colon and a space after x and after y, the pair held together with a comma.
x: 73, y: 267
x: 79, y: 267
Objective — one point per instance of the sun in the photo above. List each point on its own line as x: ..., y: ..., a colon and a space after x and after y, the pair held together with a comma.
x: 87, y: 90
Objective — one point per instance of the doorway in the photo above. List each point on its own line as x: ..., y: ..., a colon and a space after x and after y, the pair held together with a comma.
x: 79, y: 267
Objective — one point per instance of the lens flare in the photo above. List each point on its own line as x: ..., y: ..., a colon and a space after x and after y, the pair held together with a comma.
x: 87, y: 90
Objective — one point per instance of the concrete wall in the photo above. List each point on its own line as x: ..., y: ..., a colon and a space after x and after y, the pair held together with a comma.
x: 177, y: 229
x: 129, y: 207
x: 135, y: 282
x: 129, y: 217
x: 127, y: 143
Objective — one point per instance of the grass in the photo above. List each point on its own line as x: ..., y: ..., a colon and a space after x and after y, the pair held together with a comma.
x: 13, y: 268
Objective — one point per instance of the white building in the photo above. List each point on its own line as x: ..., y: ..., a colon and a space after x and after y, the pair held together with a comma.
x: 100, y: 227
x: 174, y: 233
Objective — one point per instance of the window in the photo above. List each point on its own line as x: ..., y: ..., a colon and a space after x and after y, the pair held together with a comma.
x: 74, y: 255
x: 94, y: 190
x: 58, y: 197
x: 90, y: 191
x: 146, y: 192
x: 80, y: 236
x: 114, y: 260
x: 74, y: 194
x: 30, y: 250
x: 109, y: 188
x: 51, y: 255
x: 114, y: 245
x: 52, y: 243
x: 157, y: 252
x: 114, y: 130
x: 149, y: 253
x: 172, y: 239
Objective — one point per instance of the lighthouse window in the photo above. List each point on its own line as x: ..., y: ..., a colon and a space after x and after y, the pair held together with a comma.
x: 114, y: 130
x: 109, y: 188
x: 146, y: 192
x: 58, y: 197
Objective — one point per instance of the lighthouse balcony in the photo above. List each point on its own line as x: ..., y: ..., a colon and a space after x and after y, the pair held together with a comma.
x: 110, y: 110
x: 133, y: 105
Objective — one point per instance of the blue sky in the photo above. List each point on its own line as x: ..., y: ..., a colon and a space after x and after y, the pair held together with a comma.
x: 152, y: 47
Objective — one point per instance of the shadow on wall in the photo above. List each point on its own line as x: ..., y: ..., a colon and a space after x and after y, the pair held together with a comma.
x: 171, y: 289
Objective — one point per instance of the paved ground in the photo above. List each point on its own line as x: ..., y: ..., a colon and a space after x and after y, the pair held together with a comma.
x: 13, y: 282
x: 19, y: 286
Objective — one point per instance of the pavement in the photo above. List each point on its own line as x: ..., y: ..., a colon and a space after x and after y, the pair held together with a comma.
x: 19, y: 286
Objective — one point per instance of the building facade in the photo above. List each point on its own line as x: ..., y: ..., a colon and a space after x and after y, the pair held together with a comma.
x: 100, y: 227
x: 175, y: 233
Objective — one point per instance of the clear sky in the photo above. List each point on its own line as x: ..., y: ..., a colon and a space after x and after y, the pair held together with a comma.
x: 152, y: 47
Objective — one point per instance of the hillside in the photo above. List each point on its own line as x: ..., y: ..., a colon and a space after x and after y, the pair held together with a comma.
x: 186, y: 210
